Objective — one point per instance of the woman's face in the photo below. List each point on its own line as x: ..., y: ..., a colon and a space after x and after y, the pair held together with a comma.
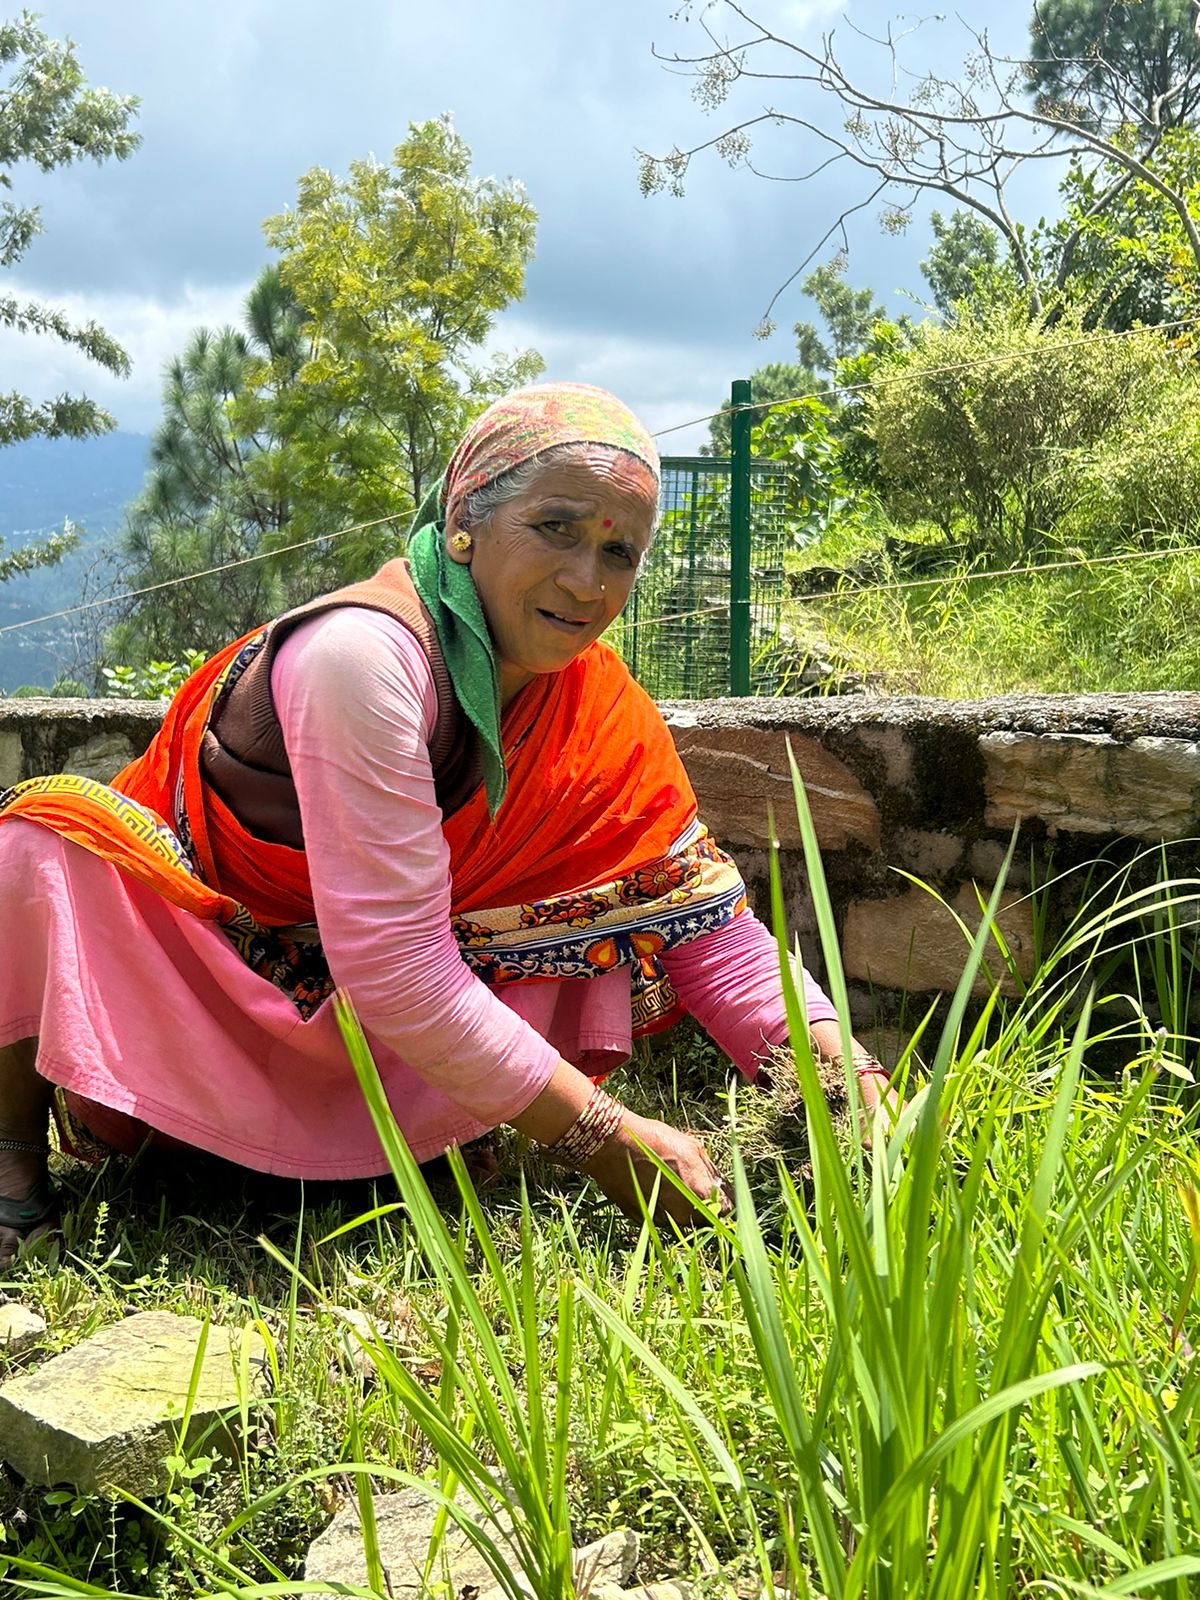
x: 554, y: 566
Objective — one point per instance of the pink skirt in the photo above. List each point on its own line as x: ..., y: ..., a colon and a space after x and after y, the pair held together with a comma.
x: 148, y: 1018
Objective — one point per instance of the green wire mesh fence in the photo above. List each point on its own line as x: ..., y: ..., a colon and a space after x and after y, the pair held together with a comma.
x: 675, y: 632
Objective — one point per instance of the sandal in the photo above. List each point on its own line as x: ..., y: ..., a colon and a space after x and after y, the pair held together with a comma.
x: 33, y: 1214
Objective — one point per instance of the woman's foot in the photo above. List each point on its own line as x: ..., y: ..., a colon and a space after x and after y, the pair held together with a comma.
x: 26, y: 1204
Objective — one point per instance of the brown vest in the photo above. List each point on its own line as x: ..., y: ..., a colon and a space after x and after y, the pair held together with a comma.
x: 243, y: 757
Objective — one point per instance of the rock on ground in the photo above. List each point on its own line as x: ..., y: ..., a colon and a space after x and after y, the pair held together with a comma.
x: 20, y: 1327
x: 106, y: 1413
x: 404, y: 1524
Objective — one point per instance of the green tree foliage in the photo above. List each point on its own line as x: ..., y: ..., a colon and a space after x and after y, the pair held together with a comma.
x: 800, y: 436
x: 1118, y: 249
x: 212, y: 495
x: 778, y: 380
x: 982, y: 427
x: 1105, y: 63
x: 1130, y: 257
x: 859, y: 334
x: 848, y: 314
x: 401, y: 269
x: 50, y: 118
x: 963, y: 261
x: 360, y: 366
x: 856, y: 333
x: 888, y: 341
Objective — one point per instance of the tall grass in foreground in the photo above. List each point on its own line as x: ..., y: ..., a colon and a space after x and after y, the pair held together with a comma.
x: 954, y: 1364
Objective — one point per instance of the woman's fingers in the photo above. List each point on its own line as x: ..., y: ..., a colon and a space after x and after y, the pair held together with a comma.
x: 624, y: 1171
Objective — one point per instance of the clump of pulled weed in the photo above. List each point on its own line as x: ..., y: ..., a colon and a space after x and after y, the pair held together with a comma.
x: 771, y: 1126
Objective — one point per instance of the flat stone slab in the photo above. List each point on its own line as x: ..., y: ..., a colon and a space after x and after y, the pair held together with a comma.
x: 1148, y: 788
x: 20, y: 1328
x: 404, y: 1524
x: 106, y: 1413
x: 743, y: 781
x: 913, y: 941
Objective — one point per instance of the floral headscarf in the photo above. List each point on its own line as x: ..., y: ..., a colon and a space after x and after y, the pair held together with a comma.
x: 528, y: 421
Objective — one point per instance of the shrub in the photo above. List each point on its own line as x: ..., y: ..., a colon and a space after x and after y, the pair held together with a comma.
x: 984, y: 427
x: 1142, y: 484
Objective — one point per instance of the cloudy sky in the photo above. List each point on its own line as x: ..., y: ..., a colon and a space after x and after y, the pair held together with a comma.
x: 656, y: 298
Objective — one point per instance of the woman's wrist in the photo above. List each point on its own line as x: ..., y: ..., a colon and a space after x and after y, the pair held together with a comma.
x: 826, y: 1038
x: 552, y: 1111
x: 572, y: 1118
x: 599, y: 1121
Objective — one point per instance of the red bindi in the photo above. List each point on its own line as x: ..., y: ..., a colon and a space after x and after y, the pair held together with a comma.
x: 608, y: 522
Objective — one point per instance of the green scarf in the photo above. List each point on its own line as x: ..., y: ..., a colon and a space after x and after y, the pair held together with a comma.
x: 448, y: 593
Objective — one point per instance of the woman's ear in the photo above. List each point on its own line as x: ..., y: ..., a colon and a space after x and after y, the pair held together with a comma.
x: 459, y: 545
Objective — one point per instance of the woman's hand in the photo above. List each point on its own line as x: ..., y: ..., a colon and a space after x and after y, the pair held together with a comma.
x: 622, y: 1169
x: 873, y: 1088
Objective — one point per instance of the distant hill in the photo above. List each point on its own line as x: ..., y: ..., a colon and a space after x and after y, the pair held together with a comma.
x: 43, y: 482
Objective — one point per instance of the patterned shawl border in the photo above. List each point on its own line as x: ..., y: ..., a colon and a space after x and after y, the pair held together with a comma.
x: 140, y: 822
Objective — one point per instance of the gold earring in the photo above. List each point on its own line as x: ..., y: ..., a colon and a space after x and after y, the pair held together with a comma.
x: 461, y: 542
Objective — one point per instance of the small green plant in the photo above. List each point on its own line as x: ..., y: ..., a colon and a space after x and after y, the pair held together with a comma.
x: 157, y: 680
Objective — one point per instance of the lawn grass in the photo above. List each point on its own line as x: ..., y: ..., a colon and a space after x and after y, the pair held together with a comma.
x: 958, y: 1363
x: 1117, y: 628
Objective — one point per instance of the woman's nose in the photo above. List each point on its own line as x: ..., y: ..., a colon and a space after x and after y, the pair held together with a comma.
x: 581, y: 576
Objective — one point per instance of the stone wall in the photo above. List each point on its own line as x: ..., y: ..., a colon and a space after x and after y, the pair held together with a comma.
x: 930, y: 788
x: 933, y: 788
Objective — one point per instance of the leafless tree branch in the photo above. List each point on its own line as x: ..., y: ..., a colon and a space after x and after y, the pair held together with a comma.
x: 965, y: 139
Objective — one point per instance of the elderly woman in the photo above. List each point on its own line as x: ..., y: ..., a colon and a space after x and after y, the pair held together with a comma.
x: 436, y: 789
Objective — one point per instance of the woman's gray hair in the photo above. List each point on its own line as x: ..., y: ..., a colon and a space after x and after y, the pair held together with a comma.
x: 477, y: 507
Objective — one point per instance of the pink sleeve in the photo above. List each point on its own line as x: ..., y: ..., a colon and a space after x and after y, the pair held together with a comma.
x: 729, y: 980
x: 356, y: 703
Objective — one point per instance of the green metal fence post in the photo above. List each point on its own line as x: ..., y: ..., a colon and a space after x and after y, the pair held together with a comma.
x: 739, y: 537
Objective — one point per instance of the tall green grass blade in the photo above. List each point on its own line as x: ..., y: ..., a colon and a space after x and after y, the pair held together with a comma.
x: 960, y: 1430
x: 512, y: 1424
x: 757, y: 1289
x: 841, y: 1222
x: 1150, y: 1577
x: 366, y: 1511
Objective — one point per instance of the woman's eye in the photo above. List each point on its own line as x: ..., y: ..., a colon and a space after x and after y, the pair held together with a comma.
x: 623, y: 554
x: 552, y: 527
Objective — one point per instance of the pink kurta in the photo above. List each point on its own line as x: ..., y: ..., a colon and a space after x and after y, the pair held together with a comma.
x: 150, y: 1013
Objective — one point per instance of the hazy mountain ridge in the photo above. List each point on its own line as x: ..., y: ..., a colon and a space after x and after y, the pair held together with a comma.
x: 42, y: 483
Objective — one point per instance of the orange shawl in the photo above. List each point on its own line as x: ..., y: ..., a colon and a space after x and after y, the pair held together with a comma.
x: 595, y: 858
